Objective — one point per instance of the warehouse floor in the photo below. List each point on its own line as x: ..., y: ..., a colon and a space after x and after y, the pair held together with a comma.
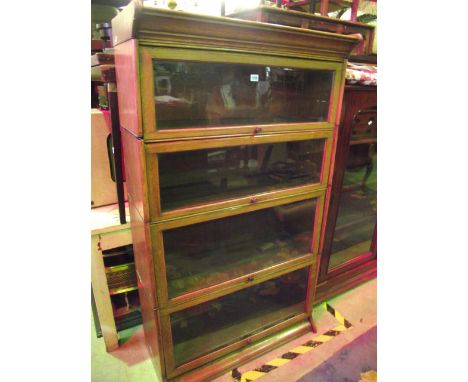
x: 347, y: 356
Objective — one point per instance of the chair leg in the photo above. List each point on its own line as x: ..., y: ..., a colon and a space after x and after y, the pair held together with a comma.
x: 369, y: 169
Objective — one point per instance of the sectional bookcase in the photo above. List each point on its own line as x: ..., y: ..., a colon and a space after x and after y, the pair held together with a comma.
x: 228, y: 131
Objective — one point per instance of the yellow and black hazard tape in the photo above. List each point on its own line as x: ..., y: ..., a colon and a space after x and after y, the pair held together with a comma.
x: 297, y: 351
x: 338, y: 316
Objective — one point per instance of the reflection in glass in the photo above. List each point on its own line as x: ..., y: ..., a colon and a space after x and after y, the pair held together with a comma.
x: 201, y: 176
x: 205, y: 254
x: 357, y: 214
x: 215, y: 324
x: 201, y: 94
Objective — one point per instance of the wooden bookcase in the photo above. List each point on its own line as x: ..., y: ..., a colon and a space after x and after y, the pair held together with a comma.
x: 228, y: 131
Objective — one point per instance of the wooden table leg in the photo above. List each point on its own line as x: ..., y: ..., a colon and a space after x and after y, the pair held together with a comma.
x: 117, y: 145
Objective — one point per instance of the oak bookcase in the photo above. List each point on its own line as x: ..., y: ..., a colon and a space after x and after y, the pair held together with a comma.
x: 228, y: 130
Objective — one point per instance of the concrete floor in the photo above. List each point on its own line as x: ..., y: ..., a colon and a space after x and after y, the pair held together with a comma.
x: 130, y: 363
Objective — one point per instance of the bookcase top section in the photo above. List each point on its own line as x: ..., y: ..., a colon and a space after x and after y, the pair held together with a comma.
x: 160, y: 27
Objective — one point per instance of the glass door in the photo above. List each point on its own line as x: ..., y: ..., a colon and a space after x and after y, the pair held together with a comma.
x: 350, y: 234
x: 199, y: 94
x: 210, y: 253
x: 357, y: 213
x: 226, y: 323
x: 195, y: 176
x: 222, y: 93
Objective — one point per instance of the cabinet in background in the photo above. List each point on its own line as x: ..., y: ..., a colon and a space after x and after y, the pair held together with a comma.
x: 349, y: 246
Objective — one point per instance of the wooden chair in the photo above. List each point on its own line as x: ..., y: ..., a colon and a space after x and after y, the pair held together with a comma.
x: 363, y: 142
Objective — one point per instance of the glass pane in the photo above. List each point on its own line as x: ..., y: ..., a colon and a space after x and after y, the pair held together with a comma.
x: 202, y: 176
x: 215, y: 324
x: 357, y: 214
x: 205, y: 254
x: 201, y: 94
